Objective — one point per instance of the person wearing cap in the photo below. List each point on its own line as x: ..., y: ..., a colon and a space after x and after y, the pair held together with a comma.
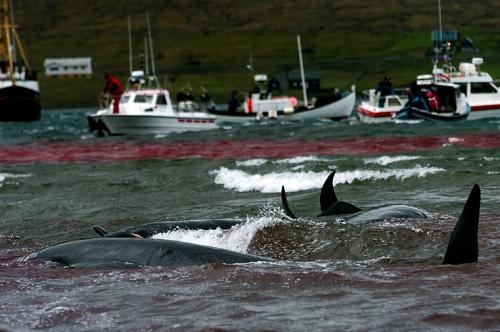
x: 115, y: 88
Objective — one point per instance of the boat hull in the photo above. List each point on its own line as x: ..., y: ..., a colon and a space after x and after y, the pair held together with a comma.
x: 484, y: 111
x: 118, y: 124
x: 412, y: 113
x: 368, y: 114
x: 338, y: 110
x: 18, y: 103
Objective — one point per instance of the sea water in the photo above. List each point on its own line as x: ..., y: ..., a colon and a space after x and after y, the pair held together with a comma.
x: 57, y: 180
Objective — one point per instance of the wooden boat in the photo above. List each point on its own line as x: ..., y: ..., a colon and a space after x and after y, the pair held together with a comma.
x: 19, y: 90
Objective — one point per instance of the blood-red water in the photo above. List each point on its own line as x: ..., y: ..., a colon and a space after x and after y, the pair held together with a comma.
x: 235, y: 149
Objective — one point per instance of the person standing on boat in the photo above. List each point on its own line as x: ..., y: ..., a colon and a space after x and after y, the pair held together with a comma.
x: 115, y: 88
x: 385, y: 88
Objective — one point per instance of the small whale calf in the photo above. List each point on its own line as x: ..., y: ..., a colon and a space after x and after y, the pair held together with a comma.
x: 133, y: 247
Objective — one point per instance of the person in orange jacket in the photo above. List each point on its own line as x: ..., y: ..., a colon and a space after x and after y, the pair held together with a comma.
x: 115, y: 88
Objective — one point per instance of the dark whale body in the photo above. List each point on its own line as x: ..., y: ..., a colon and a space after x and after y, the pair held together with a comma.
x: 149, y: 230
x: 124, y: 253
x: 122, y: 249
x: 462, y: 247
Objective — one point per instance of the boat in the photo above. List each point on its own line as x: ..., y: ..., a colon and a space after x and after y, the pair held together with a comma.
x: 148, y: 110
x: 479, y: 88
x: 261, y: 104
x: 376, y: 109
x: 435, y: 101
x: 19, y: 89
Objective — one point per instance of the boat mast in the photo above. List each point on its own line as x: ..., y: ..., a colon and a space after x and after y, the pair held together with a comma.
x: 6, y: 40
x: 130, y: 44
x: 151, y: 52
x: 302, y: 76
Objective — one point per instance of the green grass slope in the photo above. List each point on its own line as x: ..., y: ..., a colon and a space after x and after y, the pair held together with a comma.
x: 207, y: 42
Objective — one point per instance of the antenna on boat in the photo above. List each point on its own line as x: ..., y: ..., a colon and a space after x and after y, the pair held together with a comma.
x: 146, y: 60
x: 130, y: 44
x: 11, y: 14
x: 151, y: 52
x: 302, y: 76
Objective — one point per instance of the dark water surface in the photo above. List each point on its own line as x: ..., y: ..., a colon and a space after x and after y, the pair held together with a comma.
x: 57, y: 180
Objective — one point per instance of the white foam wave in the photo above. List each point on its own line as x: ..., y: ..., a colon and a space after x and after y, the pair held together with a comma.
x: 386, y: 160
x: 241, y: 181
x: 4, y: 176
x: 236, y: 238
x: 251, y: 162
x: 299, y: 160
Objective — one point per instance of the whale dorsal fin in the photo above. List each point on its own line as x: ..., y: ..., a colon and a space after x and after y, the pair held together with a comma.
x: 327, y: 197
x: 340, y: 207
x: 286, y: 207
x: 462, y: 247
x: 329, y: 203
x: 101, y: 231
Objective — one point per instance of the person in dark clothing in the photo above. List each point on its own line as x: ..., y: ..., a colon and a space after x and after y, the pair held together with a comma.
x: 233, y: 103
x: 385, y: 88
x: 115, y: 88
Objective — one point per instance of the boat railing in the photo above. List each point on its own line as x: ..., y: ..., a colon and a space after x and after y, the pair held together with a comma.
x: 373, y: 98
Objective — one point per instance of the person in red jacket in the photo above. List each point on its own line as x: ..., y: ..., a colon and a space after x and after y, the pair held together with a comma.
x: 115, y: 88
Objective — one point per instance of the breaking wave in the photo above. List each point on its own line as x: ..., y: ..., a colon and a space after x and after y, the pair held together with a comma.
x: 242, y: 181
x: 386, y: 160
x: 5, y: 176
x: 236, y: 238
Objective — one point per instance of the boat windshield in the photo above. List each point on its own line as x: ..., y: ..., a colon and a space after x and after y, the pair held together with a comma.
x: 143, y: 99
x: 124, y: 99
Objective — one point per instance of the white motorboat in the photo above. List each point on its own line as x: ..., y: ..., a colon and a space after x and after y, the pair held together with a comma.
x: 479, y: 88
x: 148, y: 111
x: 263, y: 105
x: 434, y: 101
x: 376, y: 109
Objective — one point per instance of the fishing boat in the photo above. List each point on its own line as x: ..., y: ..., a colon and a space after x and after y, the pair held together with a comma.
x: 19, y: 90
x: 147, y: 109
x: 435, y: 101
x: 478, y: 86
x: 261, y: 104
x: 376, y: 109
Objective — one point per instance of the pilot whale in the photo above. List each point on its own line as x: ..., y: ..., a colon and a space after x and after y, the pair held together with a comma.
x: 151, y: 229
x: 130, y: 252
x: 462, y: 246
x: 331, y: 206
x: 134, y: 252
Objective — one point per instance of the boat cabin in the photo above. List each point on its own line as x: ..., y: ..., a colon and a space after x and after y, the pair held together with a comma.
x: 434, y: 97
x: 145, y: 101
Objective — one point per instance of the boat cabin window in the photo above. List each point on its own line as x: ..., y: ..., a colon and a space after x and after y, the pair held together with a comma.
x: 124, y: 99
x: 161, y: 100
x: 143, y: 99
x: 482, y: 87
x: 393, y: 102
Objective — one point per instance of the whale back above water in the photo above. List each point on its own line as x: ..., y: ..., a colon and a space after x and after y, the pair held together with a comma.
x: 151, y: 229
x: 331, y: 206
x: 124, y: 253
x: 463, y: 244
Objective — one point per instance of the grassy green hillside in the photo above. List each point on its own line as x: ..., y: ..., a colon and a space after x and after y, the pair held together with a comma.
x: 207, y: 43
